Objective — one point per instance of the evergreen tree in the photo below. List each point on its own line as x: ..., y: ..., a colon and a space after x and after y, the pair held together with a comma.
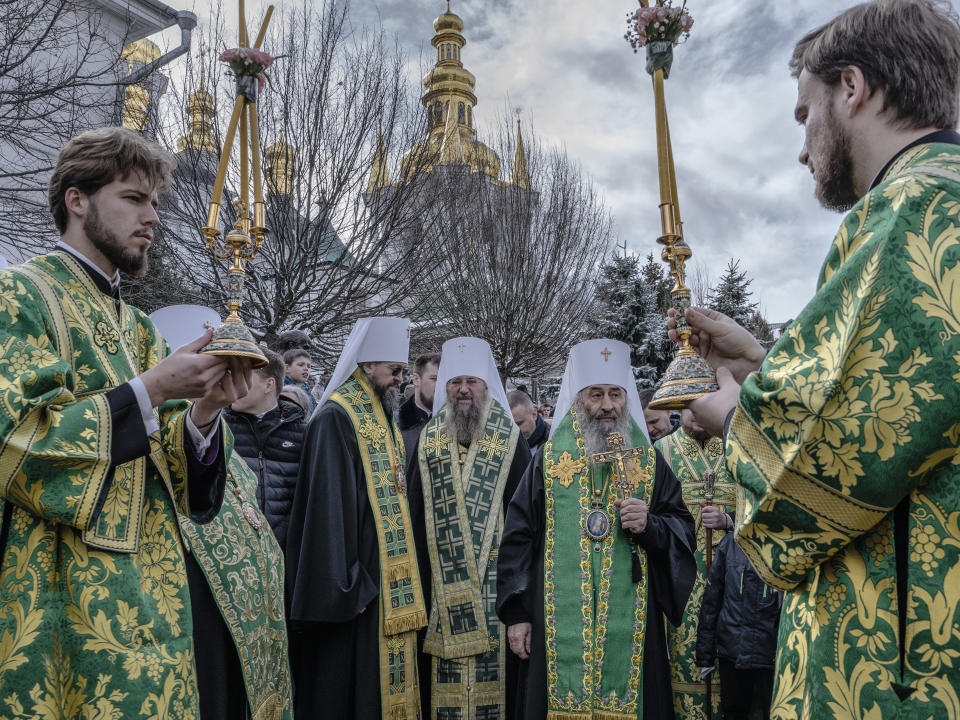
x: 655, y: 275
x: 616, y: 296
x: 633, y: 301
x: 731, y: 296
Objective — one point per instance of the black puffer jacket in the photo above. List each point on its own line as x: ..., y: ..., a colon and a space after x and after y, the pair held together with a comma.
x: 271, y: 447
x: 739, y: 614
x: 410, y: 420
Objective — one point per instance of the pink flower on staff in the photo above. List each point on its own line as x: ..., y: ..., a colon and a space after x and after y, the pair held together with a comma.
x: 645, y: 15
x: 662, y: 13
x: 687, y: 22
x: 247, y: 56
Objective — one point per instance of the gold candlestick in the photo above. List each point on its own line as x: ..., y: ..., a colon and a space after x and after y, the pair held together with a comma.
x: 245, y: 239
x: 688, y: 376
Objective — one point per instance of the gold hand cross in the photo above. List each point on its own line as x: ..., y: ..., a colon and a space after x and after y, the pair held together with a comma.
x: 617, y: 454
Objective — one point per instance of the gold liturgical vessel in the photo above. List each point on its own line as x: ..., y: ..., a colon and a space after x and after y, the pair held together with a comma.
x: 245, y: 239
x: 688, y: 376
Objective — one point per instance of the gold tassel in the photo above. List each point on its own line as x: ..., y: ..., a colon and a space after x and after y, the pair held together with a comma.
x: 414, y: 621
x: 398, y: 712
x: 398, y: 572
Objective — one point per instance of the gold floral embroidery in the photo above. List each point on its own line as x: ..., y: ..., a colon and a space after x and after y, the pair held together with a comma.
x: 160, y: 565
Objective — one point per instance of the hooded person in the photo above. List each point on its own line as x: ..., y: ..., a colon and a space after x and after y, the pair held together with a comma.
x: 469, y: 459
x: 597, y: 550
x: 353, y: 585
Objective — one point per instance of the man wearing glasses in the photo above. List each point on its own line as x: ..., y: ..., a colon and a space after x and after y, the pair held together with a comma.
x: 352, y: 581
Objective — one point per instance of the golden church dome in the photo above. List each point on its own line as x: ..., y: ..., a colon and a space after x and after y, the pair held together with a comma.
x: 448, y: 22
x: 425, y: 156
x: 142, y: 51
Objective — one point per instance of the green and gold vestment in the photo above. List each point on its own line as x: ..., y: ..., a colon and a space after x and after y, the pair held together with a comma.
x: 690, y: 462
x: 463, y: 495
x: 95, y: 618
x: 856, y: 410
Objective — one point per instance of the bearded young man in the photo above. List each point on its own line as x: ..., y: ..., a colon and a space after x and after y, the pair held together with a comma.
x: 590, y: 563
x: 469, y: 461
x: 353, y: 585
x: 844, y: 440
x: 693, y: 454
x: 113, y: 487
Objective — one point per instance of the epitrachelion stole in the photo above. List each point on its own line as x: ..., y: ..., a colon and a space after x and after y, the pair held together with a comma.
x: 463, y: 501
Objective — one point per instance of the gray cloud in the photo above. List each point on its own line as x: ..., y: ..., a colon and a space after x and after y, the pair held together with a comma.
x: 730, y: 100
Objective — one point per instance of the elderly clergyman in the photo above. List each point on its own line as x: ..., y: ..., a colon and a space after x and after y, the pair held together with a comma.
x: 354, y: 588
x: 470, y: 458
x: 595, y: 553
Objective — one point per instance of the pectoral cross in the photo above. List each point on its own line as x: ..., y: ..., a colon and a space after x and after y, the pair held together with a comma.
x: 617, y: 454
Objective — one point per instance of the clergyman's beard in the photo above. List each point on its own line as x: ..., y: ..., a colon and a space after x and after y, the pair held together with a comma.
x: 130, y: 260
x: 595, y: 431
x: 389, y: 397
x: 835, y: 189
x: 465, y: 423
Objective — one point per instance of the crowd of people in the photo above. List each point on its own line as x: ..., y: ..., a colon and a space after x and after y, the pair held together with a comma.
x: 186, y: 535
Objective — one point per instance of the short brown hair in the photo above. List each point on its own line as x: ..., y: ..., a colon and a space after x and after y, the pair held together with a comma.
x: 907, y: 49
x: 97, y: 158
x: 422, y: 361
x: 273, y: 369
x: 293, y: 353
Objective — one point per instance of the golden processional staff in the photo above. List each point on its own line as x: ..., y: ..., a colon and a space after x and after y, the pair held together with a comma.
x: 245, y: 239
x: 659, y: 28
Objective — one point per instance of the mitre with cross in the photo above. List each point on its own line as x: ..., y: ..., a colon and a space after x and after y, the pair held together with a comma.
x: 372, y: 339
x: 471, y: 357
x: 598, y: 362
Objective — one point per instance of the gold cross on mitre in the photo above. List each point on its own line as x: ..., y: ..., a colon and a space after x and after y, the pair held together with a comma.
x: 606, y: 354
x: 618, y: 454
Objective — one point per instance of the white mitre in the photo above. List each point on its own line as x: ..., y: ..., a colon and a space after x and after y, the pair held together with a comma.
x: 598, y: 362
x: 472, y: 357
x: 373, y: 339
x: 179, y: 324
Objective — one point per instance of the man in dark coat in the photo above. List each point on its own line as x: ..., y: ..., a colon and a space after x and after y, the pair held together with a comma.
x: 525, y: 415
x: 738, y: 631
x: 415, y: 412
x: 268, y: 434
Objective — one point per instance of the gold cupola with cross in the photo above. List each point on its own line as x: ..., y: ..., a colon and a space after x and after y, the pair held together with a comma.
x: 449, y: 102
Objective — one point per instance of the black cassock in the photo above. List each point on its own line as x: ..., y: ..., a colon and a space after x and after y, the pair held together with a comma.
x: 669, y: 540
x: 519, y: 463
x: 333, y: 577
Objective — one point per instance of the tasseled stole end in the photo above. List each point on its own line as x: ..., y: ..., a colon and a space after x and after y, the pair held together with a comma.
x: 413, y: 621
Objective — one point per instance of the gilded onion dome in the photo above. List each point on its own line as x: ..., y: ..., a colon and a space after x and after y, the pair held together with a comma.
x: 449, y: 101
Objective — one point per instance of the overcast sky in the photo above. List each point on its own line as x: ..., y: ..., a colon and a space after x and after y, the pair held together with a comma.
x: 730, y: 99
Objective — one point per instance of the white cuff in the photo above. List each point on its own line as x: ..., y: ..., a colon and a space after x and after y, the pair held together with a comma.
x: 146, y: 409
x: 201, y: 443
